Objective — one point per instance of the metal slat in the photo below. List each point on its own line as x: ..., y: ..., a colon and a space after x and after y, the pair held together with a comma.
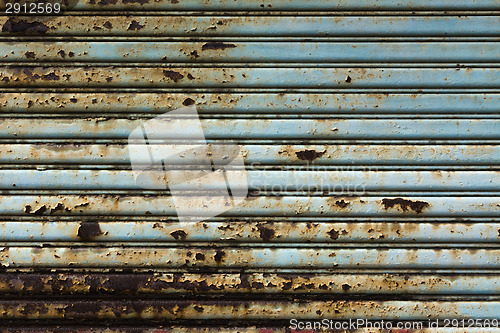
x: 396, y: 79
x: 287, y: 5
x: 403, y: 156
x: 252, y: 309
x: 258, y: 283
x: 265, y: 104
x: 282, y: 232
x: 251, y: 52
x: 262, y: 26
x: 263, y: 180
x: 286, y: 206
x: 258, y: 129
x: 250, y: 258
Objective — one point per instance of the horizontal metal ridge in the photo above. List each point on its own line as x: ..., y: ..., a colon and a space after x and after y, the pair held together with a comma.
x: 270, y: 283
x: 268, y: 206
x: 427, y: 231
x: 297, y: 5
x: 253, y: 26
x: 190, y: 51
x: 249, y: 78
x: 257, y: 129
x: 165, y: 283
x: 259, y: 180
x: 283, y: 156
x: 250, y: 257
x: 276, y: 104
x: 253, y: 309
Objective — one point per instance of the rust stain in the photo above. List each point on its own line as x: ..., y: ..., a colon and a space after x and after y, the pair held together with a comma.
x: 179, y: 234
x: 219, y: 255
x: 141, y: 2
x: 309, y: 154
x: 342, y: 203
x: 134, y: 25
x: 14, y: 25
x: 188, y: 101
x: 334, y: 234
x: 172, y: 75
x: 266, y: 233
x: 404, y: 204
x: 216, y: 46
x: 89, y: 230
x: 29, y: 55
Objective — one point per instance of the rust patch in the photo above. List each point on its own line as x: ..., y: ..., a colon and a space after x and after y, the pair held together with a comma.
x: 219, y: 254
x: 266, y: 233
x: 309, y: 154
x: 134, y: 25
x: 141, y: 2
x: 21, y: 26
x: 217, y: 46
x: 172, y: 75
x: 188, y: 102
x: 342, y: 203
x: 346, y: 287
x: 105, y: 2
x: 404, y: 204
x: 178, y: 234
x: 30, y: 55
x: 334, y: 234
x: 89, y: 230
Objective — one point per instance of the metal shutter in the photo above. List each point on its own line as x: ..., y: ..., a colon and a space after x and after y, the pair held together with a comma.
x: 379, y: 120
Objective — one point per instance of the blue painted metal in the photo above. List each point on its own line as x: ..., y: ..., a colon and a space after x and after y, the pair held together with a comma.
x: 370, y: 130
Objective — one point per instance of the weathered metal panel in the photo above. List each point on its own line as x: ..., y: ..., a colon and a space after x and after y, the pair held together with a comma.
x: 369, y: 128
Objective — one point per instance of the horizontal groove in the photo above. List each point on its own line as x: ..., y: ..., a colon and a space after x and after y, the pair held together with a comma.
x: 192, y: 283
x: 285, y: 12
x: 400, y: 142
x: 253, y: 219
x: 200, y: 207
x: 255, y: 156
x: 292, y: 167
x: 249, y: 78
x: 245, y: 104
x: 255, y: 129
x: 203, y: 327
x: 378, y: 245
x: 251, y: 257
x: 254, y: 194
x: 258, y: 91
x: 278, y: 233
x: 256, y: 26
x: 276, y: 181
x: 390, y: 116
x: 168, y: 65
x: 426, y: 52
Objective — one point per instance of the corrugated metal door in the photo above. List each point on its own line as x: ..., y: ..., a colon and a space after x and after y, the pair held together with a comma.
x: 370, y: 130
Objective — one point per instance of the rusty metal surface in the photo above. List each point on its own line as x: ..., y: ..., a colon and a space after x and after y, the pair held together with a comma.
x: 240, y: 230
x: 396, y: 98
x: 261, y: 26
x: 241, y: 283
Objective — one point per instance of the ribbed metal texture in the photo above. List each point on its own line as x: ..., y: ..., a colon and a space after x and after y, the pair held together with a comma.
x: 371, y: 135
